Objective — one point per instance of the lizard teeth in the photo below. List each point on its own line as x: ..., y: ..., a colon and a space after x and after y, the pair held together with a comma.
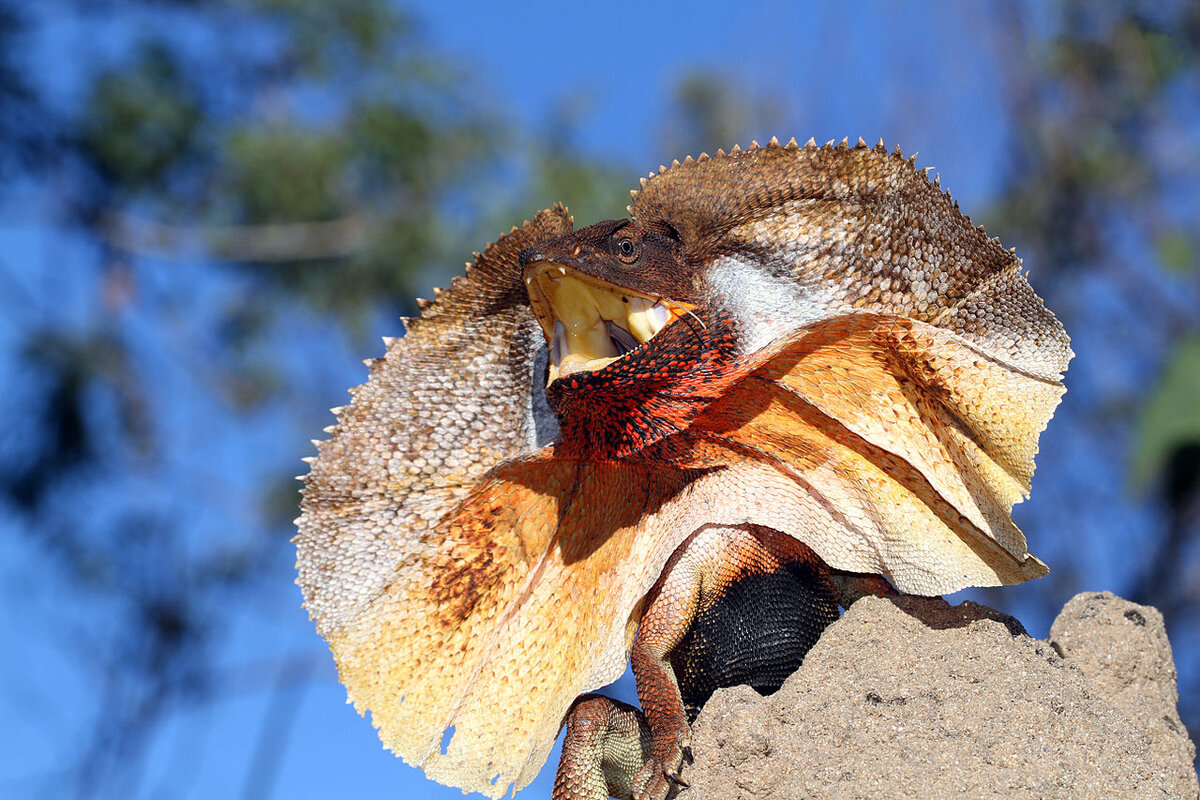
x: 646, y: 319
x: 589, y: 323
x: 622, y: 339
x: 558, y: 344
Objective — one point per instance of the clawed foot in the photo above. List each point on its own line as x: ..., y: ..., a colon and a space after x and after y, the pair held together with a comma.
x: 660, y: 775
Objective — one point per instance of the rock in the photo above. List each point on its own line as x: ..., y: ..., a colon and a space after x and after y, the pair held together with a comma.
x: 1123, y: 650
x: 913, y: 698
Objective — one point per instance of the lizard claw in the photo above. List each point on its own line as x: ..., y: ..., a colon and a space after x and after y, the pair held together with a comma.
x: 651, y: 782
x: 660, y: 774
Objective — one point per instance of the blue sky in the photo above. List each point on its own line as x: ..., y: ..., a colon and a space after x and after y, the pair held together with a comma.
x: 922, y: 75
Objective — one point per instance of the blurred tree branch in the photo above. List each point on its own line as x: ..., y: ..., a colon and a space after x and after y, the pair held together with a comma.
x: 268, y: 242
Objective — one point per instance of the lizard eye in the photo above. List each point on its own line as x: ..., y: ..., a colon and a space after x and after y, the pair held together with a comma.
x: 626, y: 250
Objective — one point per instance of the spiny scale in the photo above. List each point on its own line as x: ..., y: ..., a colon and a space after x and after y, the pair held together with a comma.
x: 811, y: 144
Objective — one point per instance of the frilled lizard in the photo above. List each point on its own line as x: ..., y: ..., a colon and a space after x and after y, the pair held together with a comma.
x: 789, y: 360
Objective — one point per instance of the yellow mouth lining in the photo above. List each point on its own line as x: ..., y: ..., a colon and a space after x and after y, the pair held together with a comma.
x: 589, y: 323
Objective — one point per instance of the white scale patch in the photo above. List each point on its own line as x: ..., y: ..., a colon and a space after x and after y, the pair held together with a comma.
x: 766, y: 307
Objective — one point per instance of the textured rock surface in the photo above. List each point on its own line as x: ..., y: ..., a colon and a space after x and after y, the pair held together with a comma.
x: 914, y: 698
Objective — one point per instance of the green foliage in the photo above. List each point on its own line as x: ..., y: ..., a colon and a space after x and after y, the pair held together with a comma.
x: 142, y: 120
x: 324, y: 38
x: 1171, y: 417
x: 394, y: 148
x: 331, y: 152
x: 591, y: 192
x: 1090, y: 107
x: 1176, y: 251
x: 285, y: 173
x: 708, y: 112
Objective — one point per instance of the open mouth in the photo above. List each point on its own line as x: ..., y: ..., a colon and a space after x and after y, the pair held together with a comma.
x: 589, y: 323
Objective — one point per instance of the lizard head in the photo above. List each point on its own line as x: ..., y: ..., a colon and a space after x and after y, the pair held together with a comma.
x: 604, y: 292
x: 627, y: 326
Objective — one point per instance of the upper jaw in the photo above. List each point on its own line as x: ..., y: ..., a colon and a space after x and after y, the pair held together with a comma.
x: 589, y: 323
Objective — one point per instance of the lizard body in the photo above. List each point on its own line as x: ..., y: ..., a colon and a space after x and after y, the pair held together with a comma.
x: 733, y: 606
x: 809, y: 340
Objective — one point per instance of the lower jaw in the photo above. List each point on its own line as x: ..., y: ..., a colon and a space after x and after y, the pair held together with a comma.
x: 573, y: 365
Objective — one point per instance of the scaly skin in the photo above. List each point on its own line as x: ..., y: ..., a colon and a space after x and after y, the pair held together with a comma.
x: 750, y: 593
x: 826, y: 346
x: 606, y: 744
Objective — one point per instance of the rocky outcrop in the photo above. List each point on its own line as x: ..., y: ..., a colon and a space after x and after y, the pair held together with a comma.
x: 913, y: 698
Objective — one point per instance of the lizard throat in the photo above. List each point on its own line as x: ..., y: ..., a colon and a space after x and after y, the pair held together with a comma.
x: 589, y: 323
